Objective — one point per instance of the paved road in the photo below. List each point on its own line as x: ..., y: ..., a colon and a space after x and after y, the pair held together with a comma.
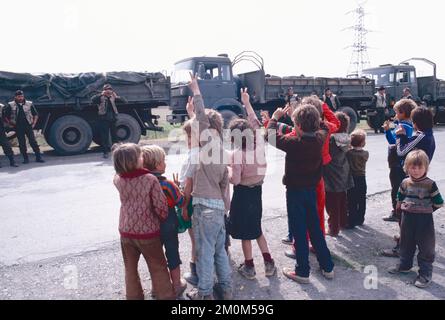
x: 69, y: 205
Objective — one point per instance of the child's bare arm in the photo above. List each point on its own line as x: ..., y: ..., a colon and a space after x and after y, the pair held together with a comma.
x: 188, y: 188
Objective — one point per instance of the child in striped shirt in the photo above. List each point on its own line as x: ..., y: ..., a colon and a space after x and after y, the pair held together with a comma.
x: 417, y: 199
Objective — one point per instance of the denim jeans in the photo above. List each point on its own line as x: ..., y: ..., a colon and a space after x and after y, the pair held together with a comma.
x: 210, y: 235
x: 303, y: 218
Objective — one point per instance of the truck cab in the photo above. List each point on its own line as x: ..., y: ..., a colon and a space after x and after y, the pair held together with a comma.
x: 395, y: 78
x: 218, y: 87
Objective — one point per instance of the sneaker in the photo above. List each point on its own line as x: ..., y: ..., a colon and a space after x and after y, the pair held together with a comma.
x: 290, y: 254
x: 182, y: 287
x: 247, y: 272
x: 192, y: 277
x: 390, y: 253
x: 195, y: 295
x: 398, y: 269
x: 287, y: 241
x: 227, y: 295
x: 289, y: 273
x: 328, y: 275
x: 422, y: 282
x: 269, y: 268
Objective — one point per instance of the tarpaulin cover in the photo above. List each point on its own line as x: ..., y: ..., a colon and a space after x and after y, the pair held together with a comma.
x: 50, y: 86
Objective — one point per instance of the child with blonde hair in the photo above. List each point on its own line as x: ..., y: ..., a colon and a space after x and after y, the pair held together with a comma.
x: 143, y: 207
x: 154, y: 161
x: 417, y: 199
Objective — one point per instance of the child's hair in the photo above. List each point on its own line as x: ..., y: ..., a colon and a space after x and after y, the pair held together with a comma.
x: 125, y: 157
x: 416, y: 158
x: 344, y: 121
x: 307, y: 117
x: 314, y: 101
x: 153, y: 156
x: 405, y: 106
x: 216, y: 120
x: 242, y: 126
x: 187, y: 127
x: 423, y: 118
x: 358, y: 138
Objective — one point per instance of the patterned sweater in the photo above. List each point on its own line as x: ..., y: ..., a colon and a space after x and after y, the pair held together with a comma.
x: 143, y: 205
x: 419, y: 196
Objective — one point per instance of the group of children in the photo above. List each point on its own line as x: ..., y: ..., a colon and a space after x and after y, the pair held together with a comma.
x: 324, y: 165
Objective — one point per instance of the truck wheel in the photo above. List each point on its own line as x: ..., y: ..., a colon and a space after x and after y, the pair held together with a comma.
x: 47, y: 138
x: 70, y: 135
x: 352, y: 117
x: 127, y: 128
x: 228, y: 115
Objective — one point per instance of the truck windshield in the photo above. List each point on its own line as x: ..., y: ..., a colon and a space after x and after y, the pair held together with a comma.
x: 181, y: 74
x: 381, y: 78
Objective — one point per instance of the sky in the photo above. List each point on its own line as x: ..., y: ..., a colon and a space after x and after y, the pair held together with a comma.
x: 293, y: 37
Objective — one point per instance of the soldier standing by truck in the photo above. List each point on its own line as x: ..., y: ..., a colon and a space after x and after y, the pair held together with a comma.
x: 4, y: 141
x: 331, y: 100
x: 107, y: 112
x: 380, y: 104
x: 22, y: 115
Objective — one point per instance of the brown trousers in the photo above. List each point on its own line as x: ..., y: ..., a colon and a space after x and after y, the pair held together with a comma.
x: 153, y: 254
x: 336, y: 206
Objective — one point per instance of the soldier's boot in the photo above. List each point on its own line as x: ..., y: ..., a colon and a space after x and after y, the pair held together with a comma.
x: 25, y: 159
x: 39, y: 158
x: 12, y: 162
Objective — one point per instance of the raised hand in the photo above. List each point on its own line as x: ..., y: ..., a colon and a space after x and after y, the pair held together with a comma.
x: 193, y: 85
x: 386, y: 125
x: 278, y: 114
x: 245, y: 98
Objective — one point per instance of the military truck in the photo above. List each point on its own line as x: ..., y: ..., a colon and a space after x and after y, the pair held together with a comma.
x: 426, y: 90
x: 67, y: 118
x: 220, y: 87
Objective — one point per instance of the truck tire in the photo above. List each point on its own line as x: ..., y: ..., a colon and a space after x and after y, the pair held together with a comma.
x: 127, y: 129
x: 352, y: 117
x: 227, y: 115
x: 70, y: 135
x: 47, y: 138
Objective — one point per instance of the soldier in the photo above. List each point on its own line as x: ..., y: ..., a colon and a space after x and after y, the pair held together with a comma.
x: 22, y: 115
x: 380, y: 103
x: 331, y: 100
x: 107, y: 112
x: 4, y: 142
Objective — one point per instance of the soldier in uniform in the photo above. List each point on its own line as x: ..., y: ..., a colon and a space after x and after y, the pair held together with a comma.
x: 380, y: 103
x: 107, y: 112
x: 331, y: 100
x: 4, y: 142
x: 22, y: 115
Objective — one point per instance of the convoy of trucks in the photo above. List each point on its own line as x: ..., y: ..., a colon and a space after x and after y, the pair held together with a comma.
x: 68, y: 120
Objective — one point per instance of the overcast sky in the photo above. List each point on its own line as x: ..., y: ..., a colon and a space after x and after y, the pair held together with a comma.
x: 293, y: 36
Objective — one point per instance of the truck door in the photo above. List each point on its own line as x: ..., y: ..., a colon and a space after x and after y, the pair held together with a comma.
x: 216, y: 82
